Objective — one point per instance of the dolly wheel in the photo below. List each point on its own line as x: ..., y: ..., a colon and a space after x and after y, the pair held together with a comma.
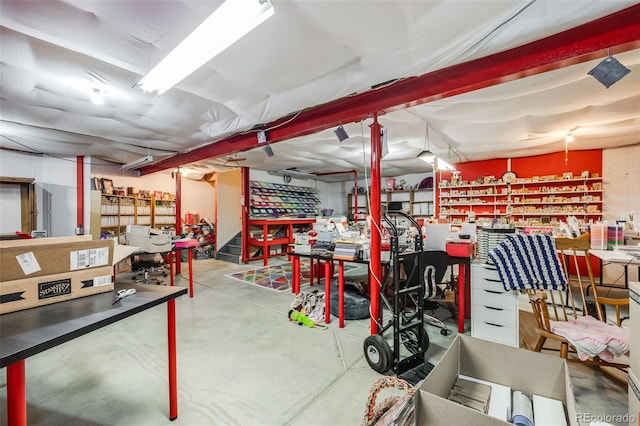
x: 409, y: 339
x: 378, y: 353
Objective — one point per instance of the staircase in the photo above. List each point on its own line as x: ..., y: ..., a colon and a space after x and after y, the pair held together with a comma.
x: 232, y: 251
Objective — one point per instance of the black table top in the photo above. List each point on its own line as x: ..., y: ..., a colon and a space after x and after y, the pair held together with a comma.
x: 31, y: 331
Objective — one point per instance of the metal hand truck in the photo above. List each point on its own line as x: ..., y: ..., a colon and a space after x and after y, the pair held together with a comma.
x: 407, y: 308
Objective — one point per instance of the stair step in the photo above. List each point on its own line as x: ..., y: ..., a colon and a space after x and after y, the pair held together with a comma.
x: 232, y: 248
x: 229, y: 257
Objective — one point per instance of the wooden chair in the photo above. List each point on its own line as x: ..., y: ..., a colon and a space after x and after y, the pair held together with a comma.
x: 569, y: 250
x: 561, y: 305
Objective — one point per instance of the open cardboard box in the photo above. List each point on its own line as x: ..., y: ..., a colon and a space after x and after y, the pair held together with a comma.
x: 519, y: 369
x: 49, y: 272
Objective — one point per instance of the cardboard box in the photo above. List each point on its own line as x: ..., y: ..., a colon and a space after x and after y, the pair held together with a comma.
x: 47, y: 256
x: 38, y: 291
x: 519, y: 369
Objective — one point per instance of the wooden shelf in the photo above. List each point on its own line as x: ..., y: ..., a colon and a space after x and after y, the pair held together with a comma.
x: 112, y: 213
x: 416, y: 202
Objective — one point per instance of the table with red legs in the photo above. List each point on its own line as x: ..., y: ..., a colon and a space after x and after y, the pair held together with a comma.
x: 328, y: 274
x: 464, y: 288
x: 32, y: 331
x: 173, y: 257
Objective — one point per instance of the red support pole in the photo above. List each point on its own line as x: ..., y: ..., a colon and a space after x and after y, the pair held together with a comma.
x: 178, y: 214
x: 375, y: 267
x: 190, y: 258
x: 246, y: 199
x: 340, y: 294
x: 173, y: 364
x: 328, y: 266
x: 16, y: 394
x: 171, y: 274
x: 80, y: 194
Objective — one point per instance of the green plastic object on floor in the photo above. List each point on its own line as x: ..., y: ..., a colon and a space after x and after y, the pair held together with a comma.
x: 301, y: 318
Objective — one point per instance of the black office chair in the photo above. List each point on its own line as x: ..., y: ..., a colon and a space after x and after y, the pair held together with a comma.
x: 145, y: 265
x: 434, y: 264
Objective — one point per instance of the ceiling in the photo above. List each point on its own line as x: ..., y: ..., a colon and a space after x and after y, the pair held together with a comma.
x: 312, y: 66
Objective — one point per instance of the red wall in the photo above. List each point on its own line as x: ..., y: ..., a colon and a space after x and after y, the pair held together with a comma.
x: 539, y: 165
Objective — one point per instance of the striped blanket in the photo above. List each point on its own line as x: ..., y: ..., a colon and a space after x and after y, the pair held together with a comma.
x: 528, y: 262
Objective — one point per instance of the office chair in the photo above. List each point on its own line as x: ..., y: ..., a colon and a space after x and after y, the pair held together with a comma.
x: 147, y: 264
x: 434, y: 264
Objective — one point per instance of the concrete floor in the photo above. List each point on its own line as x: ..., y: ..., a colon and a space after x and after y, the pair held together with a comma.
x: 240, y: 362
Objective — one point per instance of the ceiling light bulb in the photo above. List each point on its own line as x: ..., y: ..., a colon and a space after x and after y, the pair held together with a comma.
x: 96, y: 97
x: 569, y: 137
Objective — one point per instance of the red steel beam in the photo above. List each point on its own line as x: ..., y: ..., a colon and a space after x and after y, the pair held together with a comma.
x: 618, y: 32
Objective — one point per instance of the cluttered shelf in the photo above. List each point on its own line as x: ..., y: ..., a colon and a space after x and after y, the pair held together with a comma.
x: 269, y: 199
x: 533, y: 201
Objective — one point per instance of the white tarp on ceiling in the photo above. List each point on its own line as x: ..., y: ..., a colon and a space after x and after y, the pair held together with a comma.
x: 53, y: 53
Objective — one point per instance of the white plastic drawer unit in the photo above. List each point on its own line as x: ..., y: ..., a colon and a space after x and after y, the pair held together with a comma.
x: 634, y: 323
x: 494, y: 311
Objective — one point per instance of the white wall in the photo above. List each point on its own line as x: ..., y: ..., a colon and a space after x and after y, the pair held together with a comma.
x: 55, y: 188
x: 229, y: 206
x: 621, y: 182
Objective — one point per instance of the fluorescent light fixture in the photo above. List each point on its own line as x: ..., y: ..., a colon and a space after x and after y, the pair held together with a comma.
x: 443, y: 165
x: 230, y: 22
x: 97, y: 98
x: 136, y: 164
x: 427, y: 157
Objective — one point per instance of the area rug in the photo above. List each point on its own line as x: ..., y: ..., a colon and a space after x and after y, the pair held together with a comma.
x: 273, y: 277
x: 277, y: 277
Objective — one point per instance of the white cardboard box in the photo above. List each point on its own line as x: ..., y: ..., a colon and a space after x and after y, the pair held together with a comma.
x: 520, y: 369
